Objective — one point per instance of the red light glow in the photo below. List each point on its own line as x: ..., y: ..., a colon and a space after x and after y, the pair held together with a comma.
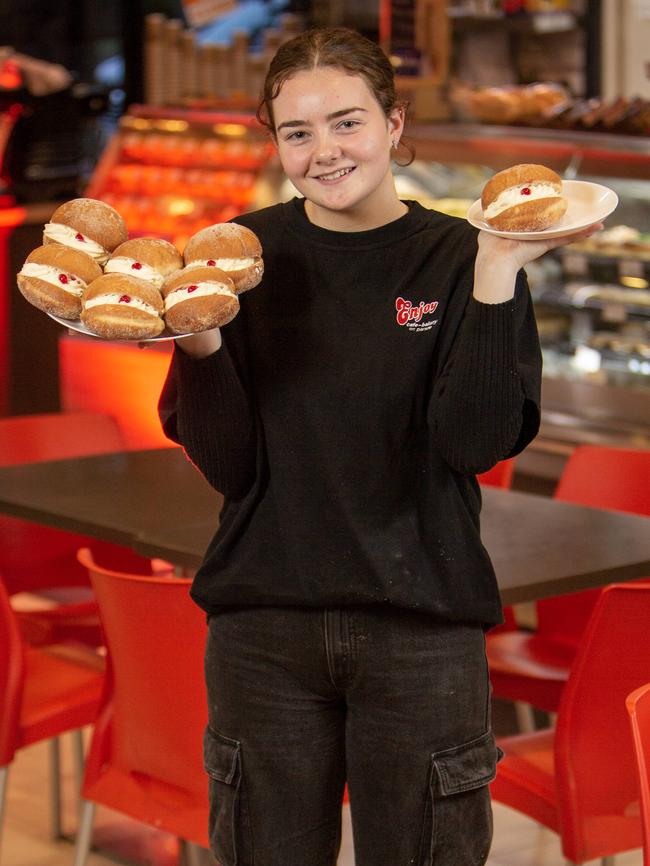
x: 10, y: 77
x: 118, y: 379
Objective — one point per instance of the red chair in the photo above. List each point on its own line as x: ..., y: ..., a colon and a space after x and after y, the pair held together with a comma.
x: 580, y: 780
x: 638, y: 708
x: 145, y: 758
x: 44, y: 693
x: 35, y: 558
x: 500, y: 475
x: 533, y: 667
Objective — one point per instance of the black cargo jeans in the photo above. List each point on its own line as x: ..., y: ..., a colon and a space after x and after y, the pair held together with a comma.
x: 393, y: 702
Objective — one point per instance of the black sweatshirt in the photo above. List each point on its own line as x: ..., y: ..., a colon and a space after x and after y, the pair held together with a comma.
x: 354, y: 397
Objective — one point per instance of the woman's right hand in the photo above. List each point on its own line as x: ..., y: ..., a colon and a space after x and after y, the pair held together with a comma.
x: 201, y: 345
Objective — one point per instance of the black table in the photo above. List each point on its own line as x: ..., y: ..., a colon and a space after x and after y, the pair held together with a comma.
x: 157, y: 503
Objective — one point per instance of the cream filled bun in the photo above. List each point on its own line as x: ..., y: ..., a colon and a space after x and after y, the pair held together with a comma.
x: 198, y: 299
x: 149, y: 259
x: 87, y: 225
x: 231, y: 248
x: 121, y: 307
x: 524, y: 198
x: 54, y: 278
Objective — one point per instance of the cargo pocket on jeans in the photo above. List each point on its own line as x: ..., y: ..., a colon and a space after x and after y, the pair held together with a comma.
x: 229, y: 825
x: 458, y: 816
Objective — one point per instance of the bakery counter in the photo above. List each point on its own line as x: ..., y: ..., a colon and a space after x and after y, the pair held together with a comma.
x: 567, y: 152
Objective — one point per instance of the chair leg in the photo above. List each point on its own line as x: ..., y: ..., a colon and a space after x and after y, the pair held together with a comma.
x: 4, y: 775
x: 84, y: 833
x: 55, y: 788
x: 525, y: 717
x: 190, y: 853
x: 78, y: 746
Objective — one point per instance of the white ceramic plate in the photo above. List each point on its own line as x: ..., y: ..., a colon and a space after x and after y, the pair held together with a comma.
x: 76, y: 325
x: 589, y: 203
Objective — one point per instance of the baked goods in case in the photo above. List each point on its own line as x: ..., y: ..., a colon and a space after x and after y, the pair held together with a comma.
x: 230, y: 247
x: 523, y: 198
x: 121, y: 307
x: 507, y: 104
x: 88, y: 225
x: 149, y: 259
x: 198, y: 299
x: 54, y: 278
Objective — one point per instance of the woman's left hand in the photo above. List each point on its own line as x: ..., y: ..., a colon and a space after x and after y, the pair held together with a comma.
x: 499, y: 259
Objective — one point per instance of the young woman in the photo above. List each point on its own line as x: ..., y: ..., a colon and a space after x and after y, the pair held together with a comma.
x: 388, y: 356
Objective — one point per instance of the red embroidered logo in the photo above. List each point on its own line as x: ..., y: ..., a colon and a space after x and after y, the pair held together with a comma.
x: 413, y: 316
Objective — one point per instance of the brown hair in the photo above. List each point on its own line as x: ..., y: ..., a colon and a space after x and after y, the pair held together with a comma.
x: 338, y: 47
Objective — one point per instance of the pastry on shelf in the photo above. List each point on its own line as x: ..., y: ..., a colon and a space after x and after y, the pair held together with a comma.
x: 506, y: 104
x: 549, y: 105
x: 617, y: 241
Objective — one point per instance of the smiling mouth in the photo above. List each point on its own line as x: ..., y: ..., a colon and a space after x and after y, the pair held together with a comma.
x: 335, y: 175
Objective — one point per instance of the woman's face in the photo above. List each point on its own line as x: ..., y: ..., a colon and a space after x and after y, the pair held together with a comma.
x: 334, y: 142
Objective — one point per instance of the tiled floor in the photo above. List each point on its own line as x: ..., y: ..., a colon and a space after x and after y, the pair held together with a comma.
x: 517, y: 841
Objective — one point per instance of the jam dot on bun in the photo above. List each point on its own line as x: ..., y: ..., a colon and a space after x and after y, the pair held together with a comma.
x: 122, y: 307
x: 93, y: 219
x: 53, y: 278
x: 232, y: 248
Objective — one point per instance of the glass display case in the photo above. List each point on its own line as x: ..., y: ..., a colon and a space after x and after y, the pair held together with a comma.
x: 171, y: 172
x: 592, y: 298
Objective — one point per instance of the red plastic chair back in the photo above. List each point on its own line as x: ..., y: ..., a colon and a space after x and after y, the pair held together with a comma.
x: 35, y: 557
x: 600, y: 477
x: 638, y: 708
x: 42, y: 693
x: 604, y: 477
x: 146, y: 754
x: 595, y: 766
x: 12, y: 672
x: 500, y: 475
x: 56, y: 436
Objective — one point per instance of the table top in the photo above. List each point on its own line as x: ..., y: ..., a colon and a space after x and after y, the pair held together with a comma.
x: 158, y: 503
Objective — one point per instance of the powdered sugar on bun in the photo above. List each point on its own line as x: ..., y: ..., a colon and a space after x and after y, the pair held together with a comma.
x: 122, y: 307
x: 93, y: 223
x: 54, y: 277
x: 150, y: 259
x: 199, y: 299
x: 523, y: 198
x: 230, y: 247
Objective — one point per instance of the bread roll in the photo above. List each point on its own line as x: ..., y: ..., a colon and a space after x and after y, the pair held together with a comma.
x: 121, y: 307
x: 88, y: 225
x: 149, y: 259
x: 54, y: 278
x: 524, y: 198
x: 198, y: 299
x: 230, y: 247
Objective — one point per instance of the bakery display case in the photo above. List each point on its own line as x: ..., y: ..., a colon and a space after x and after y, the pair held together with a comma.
x: 592, y: 298
x: 171, y: 172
